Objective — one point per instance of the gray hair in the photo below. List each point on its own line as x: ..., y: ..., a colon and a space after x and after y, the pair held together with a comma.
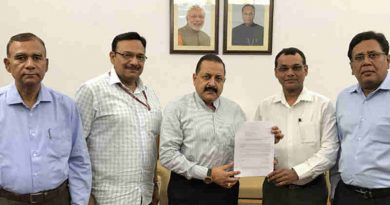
x: 194, y: 7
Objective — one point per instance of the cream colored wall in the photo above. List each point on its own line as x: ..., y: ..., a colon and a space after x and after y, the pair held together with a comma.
x: 78, y: 35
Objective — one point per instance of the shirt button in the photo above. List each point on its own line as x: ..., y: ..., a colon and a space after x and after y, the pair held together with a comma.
x: 35, y: 154
x: 35, y: 174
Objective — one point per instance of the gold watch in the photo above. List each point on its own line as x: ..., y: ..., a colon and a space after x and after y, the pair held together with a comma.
x: 208, y: 179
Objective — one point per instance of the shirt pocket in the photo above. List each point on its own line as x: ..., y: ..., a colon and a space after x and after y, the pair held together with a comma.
x: 308, y: 132
x: 381, y: 130
x: 60, y: 142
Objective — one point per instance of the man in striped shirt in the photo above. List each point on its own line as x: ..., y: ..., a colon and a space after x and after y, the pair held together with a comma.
x: 197, y: 140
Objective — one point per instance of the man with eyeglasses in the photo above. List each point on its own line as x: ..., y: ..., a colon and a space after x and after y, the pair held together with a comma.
x: 197, y: 140
x: 121, y: 118
x: 43, y: 155
x: 310, y: 145
x: 363, y: 123
x: 248, y: 33
x: 191, y: 34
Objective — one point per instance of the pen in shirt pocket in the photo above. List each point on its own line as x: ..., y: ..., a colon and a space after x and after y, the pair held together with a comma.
x: 49, y: 133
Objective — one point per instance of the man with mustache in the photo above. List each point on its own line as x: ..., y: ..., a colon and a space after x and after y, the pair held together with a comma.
x: 121, y: 118
x: 43, y: 155
x: 197, y: 140
x: 191, y: 34
x: 363, y: 123
x: 310, y: 145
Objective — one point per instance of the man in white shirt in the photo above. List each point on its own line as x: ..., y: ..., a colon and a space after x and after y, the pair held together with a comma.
x: 310, y: 145
x: 121, y: 117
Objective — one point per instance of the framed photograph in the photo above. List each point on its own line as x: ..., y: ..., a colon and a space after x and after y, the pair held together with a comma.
x: 248, y: 26
x: 194, y: 26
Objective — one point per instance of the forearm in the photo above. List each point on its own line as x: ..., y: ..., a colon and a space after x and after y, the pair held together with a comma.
x: 178, y: 163
x: 325, y: 157
x: 321, y: 161
x: 80, y: 179
x: 80, y: 173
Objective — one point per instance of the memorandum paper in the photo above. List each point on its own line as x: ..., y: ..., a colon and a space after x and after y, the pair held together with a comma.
x: 254, y: 149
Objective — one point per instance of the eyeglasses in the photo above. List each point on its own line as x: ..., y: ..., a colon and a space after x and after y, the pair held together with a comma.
x: 372, y: 56
x: 295, y: 68
x: 130, y: 56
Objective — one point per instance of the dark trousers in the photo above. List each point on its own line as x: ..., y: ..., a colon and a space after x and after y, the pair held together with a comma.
x: 313, y: 193
x: 195, y: 192
x: 62, y: 198
x: 347, y: 195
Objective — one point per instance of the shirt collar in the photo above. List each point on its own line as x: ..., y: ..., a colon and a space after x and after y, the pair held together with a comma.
x: 199, y: 100
x: 114, y: 79
x: 385, y: 85
x: 13, y: 96
x: 303, y: 96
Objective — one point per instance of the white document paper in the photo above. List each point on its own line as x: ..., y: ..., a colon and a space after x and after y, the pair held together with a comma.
x: 254, y: 149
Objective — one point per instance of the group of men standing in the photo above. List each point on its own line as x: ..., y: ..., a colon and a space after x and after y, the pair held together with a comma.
x: 55, y: 151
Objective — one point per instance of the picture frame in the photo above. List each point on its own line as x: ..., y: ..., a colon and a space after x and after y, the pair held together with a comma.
x: 248, y: 26
x: 189, y: 31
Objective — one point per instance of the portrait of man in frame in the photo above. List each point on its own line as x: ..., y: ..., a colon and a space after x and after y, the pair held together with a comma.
x: 248, y: 26
x: 194, y: 26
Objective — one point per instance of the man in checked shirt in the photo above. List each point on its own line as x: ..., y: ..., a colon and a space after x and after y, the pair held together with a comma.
x: 121, y: 119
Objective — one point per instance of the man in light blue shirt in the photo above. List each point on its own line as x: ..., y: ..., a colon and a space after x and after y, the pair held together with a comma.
x: 363, y: 120
x: 43, y: 154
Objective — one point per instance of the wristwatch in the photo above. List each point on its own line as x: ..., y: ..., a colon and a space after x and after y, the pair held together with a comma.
x: 208, y: 179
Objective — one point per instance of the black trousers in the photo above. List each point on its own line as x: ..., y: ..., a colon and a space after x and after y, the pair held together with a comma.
x: 344, y: 195
x: 313, y: 193
x: 63, y: 198
x: 195, y: 192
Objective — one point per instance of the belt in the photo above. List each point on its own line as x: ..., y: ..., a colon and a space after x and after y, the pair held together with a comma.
x: 34, y: 198
x: 312, y: 182
x: 369, y: 193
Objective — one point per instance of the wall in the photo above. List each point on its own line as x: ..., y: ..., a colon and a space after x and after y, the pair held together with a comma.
x: 78, y: 35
